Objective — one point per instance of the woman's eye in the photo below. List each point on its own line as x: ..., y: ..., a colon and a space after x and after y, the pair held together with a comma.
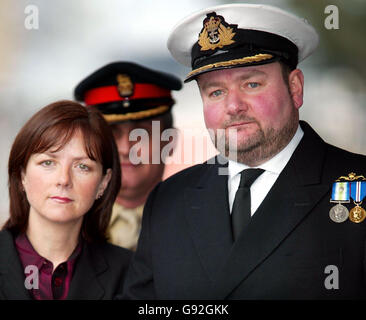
x: 83, y: 167
x: 46, y: 163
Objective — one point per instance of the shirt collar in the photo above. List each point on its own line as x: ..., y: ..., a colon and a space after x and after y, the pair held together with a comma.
x: 276, y: 163
x: 119, y: 211
x: 28, y: 255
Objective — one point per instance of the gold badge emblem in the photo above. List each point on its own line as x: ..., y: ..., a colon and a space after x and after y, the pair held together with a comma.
x: 216, y: 33
x: 125, y: 85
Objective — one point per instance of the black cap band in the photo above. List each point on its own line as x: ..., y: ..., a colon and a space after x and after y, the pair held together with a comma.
x: 248, y: 43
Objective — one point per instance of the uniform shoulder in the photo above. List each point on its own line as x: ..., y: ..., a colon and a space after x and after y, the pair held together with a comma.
x: 192, y: 174
x: 340, y: 162
x: 338, y: 153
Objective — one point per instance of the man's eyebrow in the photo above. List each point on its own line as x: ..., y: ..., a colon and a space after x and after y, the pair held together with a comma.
x: 210, y: 84
x: 247, y: 75
x: 251, y: 73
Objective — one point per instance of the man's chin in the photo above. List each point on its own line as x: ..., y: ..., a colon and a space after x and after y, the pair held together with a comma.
x: 244, y: 143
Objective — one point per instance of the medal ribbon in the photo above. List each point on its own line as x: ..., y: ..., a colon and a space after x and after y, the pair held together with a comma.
x: 341, y: 192
x: 358, y: 190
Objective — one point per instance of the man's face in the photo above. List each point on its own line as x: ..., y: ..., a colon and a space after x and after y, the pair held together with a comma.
x: 139, y: 179
x: 256, y: 102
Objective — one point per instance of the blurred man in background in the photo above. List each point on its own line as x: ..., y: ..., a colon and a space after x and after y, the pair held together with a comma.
x: 131, y: 97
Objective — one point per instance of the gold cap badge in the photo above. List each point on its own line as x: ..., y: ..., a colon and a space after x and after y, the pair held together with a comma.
x: 215, y: 33
x: 125, y: 85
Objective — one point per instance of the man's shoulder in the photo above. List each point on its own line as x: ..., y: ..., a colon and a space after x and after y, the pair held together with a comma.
x: 340, y: 162
x: 342, y: 157
x: 334, y: 151
x: 191, y: 175
x: 335, y: 158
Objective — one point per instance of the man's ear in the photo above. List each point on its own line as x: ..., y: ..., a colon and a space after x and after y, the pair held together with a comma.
x: 296, y: 87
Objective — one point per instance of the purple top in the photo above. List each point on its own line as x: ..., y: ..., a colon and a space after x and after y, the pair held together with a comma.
x: 52, y: 284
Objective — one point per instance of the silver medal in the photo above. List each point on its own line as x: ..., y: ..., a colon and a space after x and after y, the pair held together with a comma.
x: 338, y: 213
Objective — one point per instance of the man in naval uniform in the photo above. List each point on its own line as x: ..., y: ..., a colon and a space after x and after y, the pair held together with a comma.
x: 131, y: 96
x: 263, y: 224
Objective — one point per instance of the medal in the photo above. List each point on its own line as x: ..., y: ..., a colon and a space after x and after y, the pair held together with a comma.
x: 358, y: 193
x: 340, y: 194
x: 338, y: 213
x: 357, y: 214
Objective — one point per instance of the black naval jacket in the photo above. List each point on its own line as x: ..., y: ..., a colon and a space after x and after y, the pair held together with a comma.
x: 99, y: 272
x: 186, y: 250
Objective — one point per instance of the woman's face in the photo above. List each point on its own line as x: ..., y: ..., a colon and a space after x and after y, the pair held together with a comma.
x: 61, y: 186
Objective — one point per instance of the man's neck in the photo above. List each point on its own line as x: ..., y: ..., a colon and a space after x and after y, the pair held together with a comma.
x: 131, y: 203
x: 277, y: 162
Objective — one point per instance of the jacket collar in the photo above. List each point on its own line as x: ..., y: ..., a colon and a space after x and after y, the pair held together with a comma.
x: 85, y: 283
x: 209, y: 218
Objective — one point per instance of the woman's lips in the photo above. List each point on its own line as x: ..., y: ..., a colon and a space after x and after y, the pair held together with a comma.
x: 62, y: 199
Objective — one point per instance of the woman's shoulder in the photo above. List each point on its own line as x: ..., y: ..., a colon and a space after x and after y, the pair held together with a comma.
x: 6, y: 239
x: 5, y: 234
x: 7, y: 248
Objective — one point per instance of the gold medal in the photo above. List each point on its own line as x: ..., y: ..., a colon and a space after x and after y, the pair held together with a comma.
x: 357, y: 214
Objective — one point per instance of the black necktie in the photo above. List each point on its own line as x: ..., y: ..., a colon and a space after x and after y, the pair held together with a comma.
x: 240, y: 215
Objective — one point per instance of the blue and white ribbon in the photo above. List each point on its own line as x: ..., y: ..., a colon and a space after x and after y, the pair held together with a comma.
x: 341, y: 192
x: 358, y: 190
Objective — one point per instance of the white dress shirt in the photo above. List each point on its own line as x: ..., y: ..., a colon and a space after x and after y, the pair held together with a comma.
x: 273, y: 167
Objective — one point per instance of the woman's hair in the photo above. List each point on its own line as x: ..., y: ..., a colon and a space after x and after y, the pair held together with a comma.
x: 54, y: 126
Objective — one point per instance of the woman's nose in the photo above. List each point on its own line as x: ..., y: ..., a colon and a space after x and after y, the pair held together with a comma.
x: 64, y: 177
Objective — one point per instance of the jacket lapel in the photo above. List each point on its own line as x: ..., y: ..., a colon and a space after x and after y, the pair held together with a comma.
x: 11, y: 271
x: 297, y: 190
x: 208, y: 217
x: 85, y: 284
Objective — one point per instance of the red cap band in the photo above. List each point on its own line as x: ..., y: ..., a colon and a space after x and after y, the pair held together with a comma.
x: 110, y: 93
